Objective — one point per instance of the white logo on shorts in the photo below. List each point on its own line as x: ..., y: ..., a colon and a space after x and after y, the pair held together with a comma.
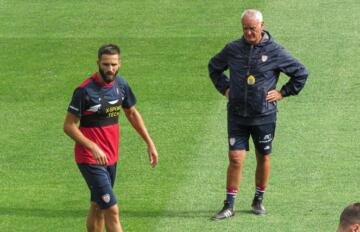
x: 106, y: 198
x: 267, y: 137
x: 232, y: 141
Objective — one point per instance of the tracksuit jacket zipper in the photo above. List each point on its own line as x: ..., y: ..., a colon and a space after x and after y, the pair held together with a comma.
x: 247, y: 75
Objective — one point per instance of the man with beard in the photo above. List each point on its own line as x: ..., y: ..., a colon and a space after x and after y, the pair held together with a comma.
x: 96, y: 104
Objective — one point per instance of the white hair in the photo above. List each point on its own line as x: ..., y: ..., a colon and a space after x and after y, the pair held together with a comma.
x: 258, y: 15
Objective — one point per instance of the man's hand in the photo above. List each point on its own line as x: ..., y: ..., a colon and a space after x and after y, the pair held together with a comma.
x: 153, y: 155
x: 71, y: 129
x: 137, y: 122
x: 273, y: 96
x: 99, y: 155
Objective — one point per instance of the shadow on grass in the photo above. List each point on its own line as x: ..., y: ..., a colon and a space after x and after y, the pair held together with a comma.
x: 165, y: 214
x: 46, y: 213
x: 52, y: 213
x: 174, y: 213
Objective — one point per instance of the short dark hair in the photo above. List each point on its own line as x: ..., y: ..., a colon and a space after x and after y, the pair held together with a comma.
x: 350, y: 215
x: 108, y: 49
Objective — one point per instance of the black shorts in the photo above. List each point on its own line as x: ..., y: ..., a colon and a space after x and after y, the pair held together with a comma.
x: 262, y: 136
x: 100, y: 180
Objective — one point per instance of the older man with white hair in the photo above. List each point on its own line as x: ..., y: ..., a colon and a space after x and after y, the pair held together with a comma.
x: 255, y: 62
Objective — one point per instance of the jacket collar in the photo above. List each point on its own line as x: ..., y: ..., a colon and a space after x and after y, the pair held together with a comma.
x: 266, y: 37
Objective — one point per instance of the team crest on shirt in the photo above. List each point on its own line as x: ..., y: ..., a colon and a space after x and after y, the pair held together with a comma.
x: 232, y: 141
x: 264, y: 58
x: 106, y: 198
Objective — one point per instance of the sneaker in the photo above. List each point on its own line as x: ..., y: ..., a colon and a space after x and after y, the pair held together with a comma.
x: 257, y: 206
x: 227, y: 211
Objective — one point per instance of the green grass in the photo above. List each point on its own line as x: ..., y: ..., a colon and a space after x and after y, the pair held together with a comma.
x: 47, y: 49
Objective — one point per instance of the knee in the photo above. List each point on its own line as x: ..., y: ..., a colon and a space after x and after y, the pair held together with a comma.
x: 264, y: 158
x: 97, y: 211
x: 112, y: 212
x: 91, y: 227
x: 236, y: 159
x: 112, y: 220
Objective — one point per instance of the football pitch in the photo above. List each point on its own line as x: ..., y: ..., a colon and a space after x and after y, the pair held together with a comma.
x: 49, y: 47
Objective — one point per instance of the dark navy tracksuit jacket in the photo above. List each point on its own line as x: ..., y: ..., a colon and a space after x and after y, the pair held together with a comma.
x: 263, y: 62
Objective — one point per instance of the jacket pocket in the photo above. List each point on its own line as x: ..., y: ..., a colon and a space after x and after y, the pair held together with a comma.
x: 257, y: 100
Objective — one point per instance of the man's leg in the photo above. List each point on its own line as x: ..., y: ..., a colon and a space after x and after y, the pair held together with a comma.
x: 263, y: 167
x: 262, y: 136
x: 238, y: 141
x: 112, y: 221
x: 95, y: 219
x: 262, y: 176
x: 234, y: 171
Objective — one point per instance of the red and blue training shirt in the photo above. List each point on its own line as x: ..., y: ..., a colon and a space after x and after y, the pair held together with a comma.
x: 98, y: 106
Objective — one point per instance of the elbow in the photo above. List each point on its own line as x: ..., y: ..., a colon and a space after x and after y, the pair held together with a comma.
x: 211, y: 68
x: 131, y: 116
x: 67, y: 128
x: 131, y: 112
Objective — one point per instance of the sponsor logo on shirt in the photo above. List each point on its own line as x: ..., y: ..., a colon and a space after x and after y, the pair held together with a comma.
x: 112, y: 111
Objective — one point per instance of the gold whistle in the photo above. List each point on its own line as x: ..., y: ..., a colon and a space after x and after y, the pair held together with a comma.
x: 251, y: 80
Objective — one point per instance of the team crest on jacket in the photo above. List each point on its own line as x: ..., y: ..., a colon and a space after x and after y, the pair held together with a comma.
x: 232, y: 141
x: 264, y: 58
x: 106, y: 198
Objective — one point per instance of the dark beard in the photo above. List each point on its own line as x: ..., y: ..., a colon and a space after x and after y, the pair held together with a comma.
x: 107, y: 77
